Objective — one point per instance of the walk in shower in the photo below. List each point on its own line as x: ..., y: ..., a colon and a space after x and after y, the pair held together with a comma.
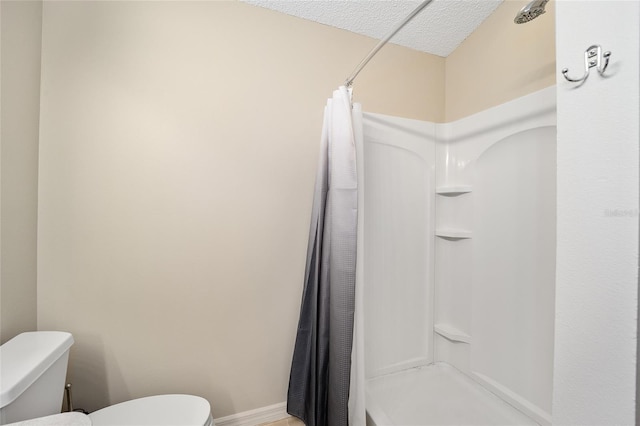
x: 459, y: 249
x: 455, y: 265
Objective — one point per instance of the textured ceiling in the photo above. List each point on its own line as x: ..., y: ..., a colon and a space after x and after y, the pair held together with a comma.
x: 438, y: 29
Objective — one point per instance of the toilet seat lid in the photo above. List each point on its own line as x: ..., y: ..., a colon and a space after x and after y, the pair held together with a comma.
x: 159, y: 410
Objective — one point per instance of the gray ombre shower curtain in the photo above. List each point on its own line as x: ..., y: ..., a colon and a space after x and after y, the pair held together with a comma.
x: 326, y: 386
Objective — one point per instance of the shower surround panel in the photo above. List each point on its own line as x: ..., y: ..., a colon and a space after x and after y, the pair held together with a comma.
x: 398, y: 243
x: 459, y: 264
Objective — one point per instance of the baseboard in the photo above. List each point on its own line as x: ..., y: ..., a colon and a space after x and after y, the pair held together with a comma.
x: 255, y: 417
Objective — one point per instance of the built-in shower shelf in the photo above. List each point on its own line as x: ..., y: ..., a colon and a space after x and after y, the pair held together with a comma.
x: 453, y: 190
x: 450, y: 332
x: 453, y: 234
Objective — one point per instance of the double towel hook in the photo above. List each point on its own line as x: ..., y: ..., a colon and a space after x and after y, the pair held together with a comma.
x: 593, y: 57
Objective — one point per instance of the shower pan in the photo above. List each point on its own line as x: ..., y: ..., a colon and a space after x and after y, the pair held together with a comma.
x: 459, y: 249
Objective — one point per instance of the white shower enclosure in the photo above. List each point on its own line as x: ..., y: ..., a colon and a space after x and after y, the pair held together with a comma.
x: 459, y: 269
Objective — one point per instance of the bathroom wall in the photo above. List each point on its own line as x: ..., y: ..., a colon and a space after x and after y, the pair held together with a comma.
x: 514, y: 264
x: 501, y: 61
x: 398, y: 246
x: 178, y: 149
x: 596, y: 358
x: 495, y: 249
x: 20, y: 35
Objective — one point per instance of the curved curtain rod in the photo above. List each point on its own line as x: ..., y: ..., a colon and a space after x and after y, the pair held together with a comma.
x: 349, y: 81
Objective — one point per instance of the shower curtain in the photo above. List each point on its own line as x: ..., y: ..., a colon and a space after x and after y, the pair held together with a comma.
x: 326, y: 386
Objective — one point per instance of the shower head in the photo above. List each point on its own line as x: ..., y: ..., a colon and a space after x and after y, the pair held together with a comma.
x: 530, y: 11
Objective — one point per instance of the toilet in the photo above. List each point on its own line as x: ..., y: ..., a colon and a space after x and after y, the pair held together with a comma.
x: 33, y: 367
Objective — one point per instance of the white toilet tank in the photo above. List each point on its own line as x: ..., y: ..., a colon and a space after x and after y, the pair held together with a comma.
x: 33, y: 367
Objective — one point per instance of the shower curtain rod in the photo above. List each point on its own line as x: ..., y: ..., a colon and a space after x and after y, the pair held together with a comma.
x: 349, y: 81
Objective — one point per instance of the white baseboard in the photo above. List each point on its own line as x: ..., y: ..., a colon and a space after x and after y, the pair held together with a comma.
x: 255, y: 417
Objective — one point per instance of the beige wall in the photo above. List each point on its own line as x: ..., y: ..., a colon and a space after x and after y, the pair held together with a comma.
x: 178, y: 152
x: 501, y: 61
x: 20, y: 80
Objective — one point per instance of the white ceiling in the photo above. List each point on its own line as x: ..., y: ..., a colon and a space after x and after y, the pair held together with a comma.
x: 438, y: 29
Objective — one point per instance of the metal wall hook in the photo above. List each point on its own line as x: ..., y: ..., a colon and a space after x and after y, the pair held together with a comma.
x: 593, y: 57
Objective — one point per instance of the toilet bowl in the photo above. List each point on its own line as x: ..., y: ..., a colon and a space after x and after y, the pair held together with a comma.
x: 159, y: 410
x: 33, y: 368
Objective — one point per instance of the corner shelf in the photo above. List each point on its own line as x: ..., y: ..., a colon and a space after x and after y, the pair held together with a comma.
x: 453, y: 234
x: 449, y: 332
x: 453, y: 190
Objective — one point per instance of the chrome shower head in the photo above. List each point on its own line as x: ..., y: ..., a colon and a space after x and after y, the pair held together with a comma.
x: 530, y: 11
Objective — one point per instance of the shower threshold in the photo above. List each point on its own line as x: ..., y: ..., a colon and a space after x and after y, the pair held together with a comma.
x: 437, y: 394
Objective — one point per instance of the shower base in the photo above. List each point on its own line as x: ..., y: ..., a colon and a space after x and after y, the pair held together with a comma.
x: 437, y: 394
